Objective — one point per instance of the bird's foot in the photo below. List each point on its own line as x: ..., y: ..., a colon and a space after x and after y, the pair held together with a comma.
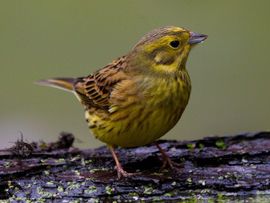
x: 121, y: 173
x: 167, y: 162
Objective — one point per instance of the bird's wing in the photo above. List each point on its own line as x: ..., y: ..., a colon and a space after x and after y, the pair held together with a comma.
x: 95, y: 90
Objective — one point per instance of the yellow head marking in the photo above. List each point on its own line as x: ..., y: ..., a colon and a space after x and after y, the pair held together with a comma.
x: 164, y: 50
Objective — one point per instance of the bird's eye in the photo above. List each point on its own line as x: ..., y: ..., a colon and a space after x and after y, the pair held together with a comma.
x: 174, y: 44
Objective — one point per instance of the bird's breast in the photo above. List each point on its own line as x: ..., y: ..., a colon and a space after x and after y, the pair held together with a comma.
x: 169, y: 98
x: 143, y: 112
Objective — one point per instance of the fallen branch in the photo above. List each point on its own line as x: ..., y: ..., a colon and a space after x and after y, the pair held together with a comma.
x: 236, y: 167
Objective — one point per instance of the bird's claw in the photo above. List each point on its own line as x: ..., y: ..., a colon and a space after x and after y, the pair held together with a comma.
x: 121, y: 173
x: 168, y: 163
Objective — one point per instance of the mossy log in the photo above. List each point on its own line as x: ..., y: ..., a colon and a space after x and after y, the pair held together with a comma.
x: 213, y: 168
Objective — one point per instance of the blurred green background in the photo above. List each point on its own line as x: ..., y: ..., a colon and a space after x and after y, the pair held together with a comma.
x: 42, y: 39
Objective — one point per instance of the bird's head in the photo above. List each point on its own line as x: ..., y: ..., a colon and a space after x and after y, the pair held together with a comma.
x: 166, y: 49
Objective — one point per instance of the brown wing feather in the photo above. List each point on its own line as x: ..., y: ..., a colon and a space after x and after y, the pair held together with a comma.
x: 95, y: 90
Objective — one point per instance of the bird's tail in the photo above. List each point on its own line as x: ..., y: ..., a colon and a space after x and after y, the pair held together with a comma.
x: 61, y: 83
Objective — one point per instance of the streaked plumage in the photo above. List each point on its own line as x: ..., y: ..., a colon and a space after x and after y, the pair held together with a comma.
x: 140, y: 96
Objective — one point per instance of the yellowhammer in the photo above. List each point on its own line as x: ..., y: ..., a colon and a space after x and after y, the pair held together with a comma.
x: 138, y: 97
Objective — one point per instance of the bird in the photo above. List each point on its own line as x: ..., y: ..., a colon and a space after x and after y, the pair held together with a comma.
x: 140, y: 96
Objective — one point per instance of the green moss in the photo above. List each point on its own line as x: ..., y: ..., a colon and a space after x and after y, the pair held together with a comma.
x: 91, y: 189
x: 93, y: 200
x: 76, y: 172
x: 201, y: 146
x: 73, y: 185
x: 88, y: 161
x: 43, y: 193
x: 168, y: 194
x: 191, y: 146
x: 42, y: 160
x: 157, y: 173
x: 5, y: 201
x: 220, y: 197
x: 7, y: 164
x: 77, y: 200
x: 157, y: 199
x: 60, y: 189
x: 109, y: 190
x: 220, y: 144
x: 46, y: 172
x: 189, y: 180
x: 60, y: 160
x: 133, y: 194
x: 50, y: 183
x: 93, y: 170
x: 148, y: 190
x: 220, y: 177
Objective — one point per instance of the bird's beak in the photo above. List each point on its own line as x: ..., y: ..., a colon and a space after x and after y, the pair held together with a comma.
x: 196, y: 38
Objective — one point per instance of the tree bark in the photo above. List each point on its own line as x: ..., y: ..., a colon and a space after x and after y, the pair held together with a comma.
x: 213, y: 168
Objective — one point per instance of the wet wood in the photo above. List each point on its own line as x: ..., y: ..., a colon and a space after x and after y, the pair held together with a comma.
x: 223, y: 168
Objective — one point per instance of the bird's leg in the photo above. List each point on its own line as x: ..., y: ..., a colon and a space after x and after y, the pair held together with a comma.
x: 167, y: 160
x: 120, y: 171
